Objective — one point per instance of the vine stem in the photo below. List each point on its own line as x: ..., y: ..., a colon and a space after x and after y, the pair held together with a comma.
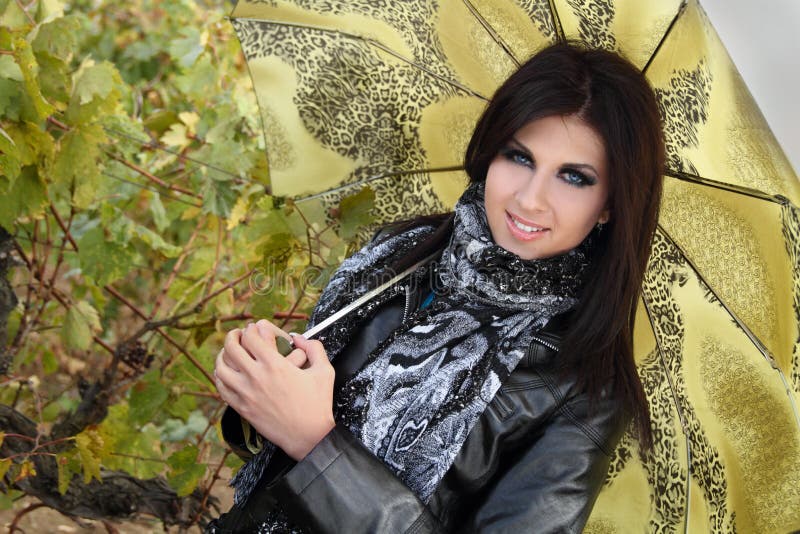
x: 175, y: 268
x: 207, y: 492
x: 152, y: 177
x: 25, y: 10
x: 14, y: 526
x: 163, y: 334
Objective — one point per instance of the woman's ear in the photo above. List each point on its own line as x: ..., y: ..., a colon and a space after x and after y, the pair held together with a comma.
x: 605, y: 215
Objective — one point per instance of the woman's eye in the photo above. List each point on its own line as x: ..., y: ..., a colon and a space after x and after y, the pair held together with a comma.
x: 517, y: 156
x: 576, y: 178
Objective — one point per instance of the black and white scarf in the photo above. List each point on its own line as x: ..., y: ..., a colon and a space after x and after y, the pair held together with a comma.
x: 419, y: 394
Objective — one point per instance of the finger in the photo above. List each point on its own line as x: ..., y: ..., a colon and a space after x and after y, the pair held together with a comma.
x: 264, y: 326
x: 222, y: 360
x: 260, y: 344
x: 235, y: 356
x: 228, y: 395
x: 315, y: 352
x: 297, y: 358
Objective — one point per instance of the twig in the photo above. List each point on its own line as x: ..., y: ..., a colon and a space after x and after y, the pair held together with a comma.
x: 25, y: 10
x: 295, y: 305
x: 111, y: 529
x: 152, y: 177
x: 210, y: 486
x: 289, y: 315
x: 175, y: 269
x: 14, y: 526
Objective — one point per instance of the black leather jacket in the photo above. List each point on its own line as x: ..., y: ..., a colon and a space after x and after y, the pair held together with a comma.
x: 534, y: 462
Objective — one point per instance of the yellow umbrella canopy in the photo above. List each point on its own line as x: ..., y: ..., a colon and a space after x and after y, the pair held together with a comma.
x: 385, y: 94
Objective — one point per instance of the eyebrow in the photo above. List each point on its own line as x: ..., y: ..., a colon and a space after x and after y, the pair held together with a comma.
x: 576, y: 166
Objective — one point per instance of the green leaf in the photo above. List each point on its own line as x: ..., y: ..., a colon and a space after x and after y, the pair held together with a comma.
x: 10, y: 158
x: 195, y: 82
x: 5, y: 464
x: 9, y: 69
x: 154, y: 241
x: 35, y: 145
x: 94, y: 92
x: 8, y: 499
x: 75, y: 168
x: 104, y: 261
x: 182, y: 406
x: 54, y: 80
x: 81, y: 323
x: 90, y: 445
x: 27, y: 196
x: 186, y: 49
x: 356, y: 212
x: 94, y: 81
x: 64, y: 473
x: 161, y: 120
x: 10, y: 98
x: 218, y: 198
x: 49, y: 362
x: 147, y: 397
x: 130, y: 440
x: 160, y: 217
x: 30, y: 70
x: 58, y: 38
x: 185, y: 470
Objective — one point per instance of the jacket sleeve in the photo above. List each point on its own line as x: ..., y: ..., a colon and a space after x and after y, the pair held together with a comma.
x: 552, y: 485
x: 340, y: 486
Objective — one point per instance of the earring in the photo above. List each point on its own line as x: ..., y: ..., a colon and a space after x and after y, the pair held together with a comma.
x: 599, y: 227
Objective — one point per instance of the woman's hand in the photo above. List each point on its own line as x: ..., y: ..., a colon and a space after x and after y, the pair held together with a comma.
x: 288, y: 400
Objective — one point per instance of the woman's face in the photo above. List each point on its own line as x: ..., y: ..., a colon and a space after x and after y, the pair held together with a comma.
x: 547, y: 188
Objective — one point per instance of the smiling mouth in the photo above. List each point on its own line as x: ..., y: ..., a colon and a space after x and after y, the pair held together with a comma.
x: 522, y: 227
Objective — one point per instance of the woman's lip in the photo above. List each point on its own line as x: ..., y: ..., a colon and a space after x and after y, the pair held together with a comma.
x: 522, y: 234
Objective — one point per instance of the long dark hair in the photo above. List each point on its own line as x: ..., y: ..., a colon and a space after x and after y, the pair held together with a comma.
x: 612, y: 97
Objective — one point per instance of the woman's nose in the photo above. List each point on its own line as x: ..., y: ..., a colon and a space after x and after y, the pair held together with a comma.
x: 532, y: 196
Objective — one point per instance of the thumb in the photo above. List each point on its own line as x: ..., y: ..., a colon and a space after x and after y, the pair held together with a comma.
x: 314, y: 350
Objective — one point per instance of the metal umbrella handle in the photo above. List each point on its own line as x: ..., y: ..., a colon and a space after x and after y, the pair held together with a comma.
x: 285, y: 346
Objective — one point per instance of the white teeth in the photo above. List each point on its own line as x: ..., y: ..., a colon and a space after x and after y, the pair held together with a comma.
x: 525, y: 227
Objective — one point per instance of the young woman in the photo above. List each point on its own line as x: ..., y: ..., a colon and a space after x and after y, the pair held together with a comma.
x: 487, y: 391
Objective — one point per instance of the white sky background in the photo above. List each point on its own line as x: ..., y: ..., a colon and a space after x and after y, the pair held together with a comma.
x: 763, y: 38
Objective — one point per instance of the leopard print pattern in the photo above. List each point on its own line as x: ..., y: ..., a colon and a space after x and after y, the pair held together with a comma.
x: 541, y: 16
x: 354, y: 102
x: 595, y: 22
x: 684, y: 107
x: 791, y: 235
x: 663, y: 383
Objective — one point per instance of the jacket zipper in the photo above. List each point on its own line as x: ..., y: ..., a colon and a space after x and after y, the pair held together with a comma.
x: 545, y: 343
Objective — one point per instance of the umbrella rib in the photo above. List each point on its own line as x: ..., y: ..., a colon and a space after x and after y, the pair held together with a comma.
x: 754, y: 193
x: 377, y: 177
x: 749, y: 333
x: 681, y: 418
x: 376, y: 44
x: 556, y: 21
x: 677, y: 16
x: 491, y: 31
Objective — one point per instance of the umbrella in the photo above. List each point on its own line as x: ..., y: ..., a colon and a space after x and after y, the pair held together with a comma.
x: 385, y: 94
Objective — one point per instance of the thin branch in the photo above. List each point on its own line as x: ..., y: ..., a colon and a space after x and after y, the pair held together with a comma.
x: 163, y: 334
x: 152, y: 177
x: 14, y: 526
x: 175, y: 268
x: 25, y: 10
x: 207, y: 492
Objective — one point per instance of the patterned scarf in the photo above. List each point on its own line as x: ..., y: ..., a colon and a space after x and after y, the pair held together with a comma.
x: 421, y: 391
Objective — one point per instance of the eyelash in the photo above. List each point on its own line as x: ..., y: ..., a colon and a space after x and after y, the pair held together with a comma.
x: 521, y: 158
